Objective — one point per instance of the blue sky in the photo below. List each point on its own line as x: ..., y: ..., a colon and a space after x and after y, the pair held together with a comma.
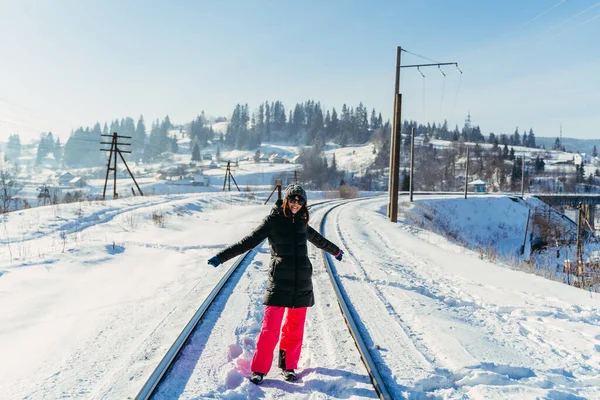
x: 525, y: 64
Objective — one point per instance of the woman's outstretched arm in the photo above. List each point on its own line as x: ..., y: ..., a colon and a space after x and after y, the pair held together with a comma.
x: 315, y: 238
x: 249, y: 242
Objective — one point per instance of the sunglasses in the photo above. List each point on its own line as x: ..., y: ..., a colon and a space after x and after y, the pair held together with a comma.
x: 296, y: 200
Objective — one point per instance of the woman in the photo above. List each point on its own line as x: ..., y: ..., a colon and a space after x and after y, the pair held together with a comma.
x: 289, y: 289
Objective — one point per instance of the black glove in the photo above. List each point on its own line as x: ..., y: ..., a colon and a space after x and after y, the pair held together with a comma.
x: 279, y: 203
x: 339, y: 255
x: 214, y: 261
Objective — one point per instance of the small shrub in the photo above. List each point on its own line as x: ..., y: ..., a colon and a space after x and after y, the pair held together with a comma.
x: 348, y: 192
x: 159, y: 218
x: 131, y: 221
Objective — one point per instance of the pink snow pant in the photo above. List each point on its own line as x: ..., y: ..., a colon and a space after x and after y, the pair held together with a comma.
x: 292, y: 333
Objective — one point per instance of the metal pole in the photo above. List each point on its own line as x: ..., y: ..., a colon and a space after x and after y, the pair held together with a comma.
x: 225, y: 179
x: 467, y: 173
x: 395, y: 145
x: 130, y: 174
x: 412, y: 163
x: 523, y: 178
x: 115, y: 166
x: 279, y: 182
x: 578, y: 255
x: 526, y: 229
x: 108, y: 170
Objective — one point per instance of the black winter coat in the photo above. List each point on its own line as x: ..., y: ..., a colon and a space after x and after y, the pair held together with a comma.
x: 290, y: 274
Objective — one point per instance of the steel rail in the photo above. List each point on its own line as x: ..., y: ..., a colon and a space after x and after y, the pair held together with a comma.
x: 169, y: 358
x: 161, y: 369
x: 376, y: 378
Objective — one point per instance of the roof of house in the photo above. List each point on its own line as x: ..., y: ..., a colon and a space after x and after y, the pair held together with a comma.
x: 478, y: 182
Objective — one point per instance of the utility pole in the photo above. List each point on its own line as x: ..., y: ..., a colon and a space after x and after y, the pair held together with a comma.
x: 229, y: 177
x: 114, y: 150
x: 467, y: 173
x: 395, y: 145
x: 395, y: 142
x: 278, y: 188
x: 412, y: 163
x: 526, y: 230
x: 579, y: 250
x: 523, y: 177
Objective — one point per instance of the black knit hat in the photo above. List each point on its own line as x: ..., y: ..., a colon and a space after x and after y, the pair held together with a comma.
x: 295, y: 190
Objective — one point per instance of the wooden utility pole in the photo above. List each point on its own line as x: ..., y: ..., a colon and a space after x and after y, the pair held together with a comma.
x: 579, y: 249
x: 526, y: 229
x: 396, y: 138
x: 467, y: 174
x: 395, y: 145
x: 114, y: 150
x: 278, y: 188
x: 229, y: 177
x: 412, y: 163
x: 523, y: 177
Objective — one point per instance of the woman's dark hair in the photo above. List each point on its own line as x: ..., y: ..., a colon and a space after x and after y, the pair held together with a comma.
x: 286, y: 207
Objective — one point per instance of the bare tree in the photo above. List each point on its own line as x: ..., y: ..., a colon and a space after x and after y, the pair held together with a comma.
x: 7, y: 188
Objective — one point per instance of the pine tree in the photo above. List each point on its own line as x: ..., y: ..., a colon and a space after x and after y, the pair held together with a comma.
x: 268, y: 121
x: 334, y: 129
x: 57, y: 151
x: 516, y: 138
x: 594, y: 151
x: 13, y: 148
x: 196, y: 153
x: 505, y: 152
x: 557, y: 145
x: 374, y: 120
x: 405, y: 185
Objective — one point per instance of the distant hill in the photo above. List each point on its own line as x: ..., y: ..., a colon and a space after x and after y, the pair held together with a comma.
x: 571, y: 144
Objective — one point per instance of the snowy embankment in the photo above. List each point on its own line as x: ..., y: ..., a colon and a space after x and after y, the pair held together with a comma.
x: 93, y: 294
x: 446, y: 323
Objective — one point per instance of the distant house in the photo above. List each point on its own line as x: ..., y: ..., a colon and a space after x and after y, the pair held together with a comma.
x: 207, y: 156
x: 65, y: 179
x: 77, y: 182
x: 200, y: 180
x: 479, y: 186
x: 295, y: 159
x: 276, y: 159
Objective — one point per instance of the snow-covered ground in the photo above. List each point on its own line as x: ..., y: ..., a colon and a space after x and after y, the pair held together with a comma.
x: 92, y: 295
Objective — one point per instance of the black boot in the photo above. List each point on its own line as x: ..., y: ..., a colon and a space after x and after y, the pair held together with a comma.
x: 289, y: 375
x: 282, y: 359
x: 257, y: 378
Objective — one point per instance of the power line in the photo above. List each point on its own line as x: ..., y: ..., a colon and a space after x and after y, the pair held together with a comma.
x: 577, y: 26
x: 543, y: 13
x: 415, y: 54
x: 575, y: 16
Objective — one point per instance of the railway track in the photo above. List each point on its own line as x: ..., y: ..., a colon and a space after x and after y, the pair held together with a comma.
x: 172, y: 354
